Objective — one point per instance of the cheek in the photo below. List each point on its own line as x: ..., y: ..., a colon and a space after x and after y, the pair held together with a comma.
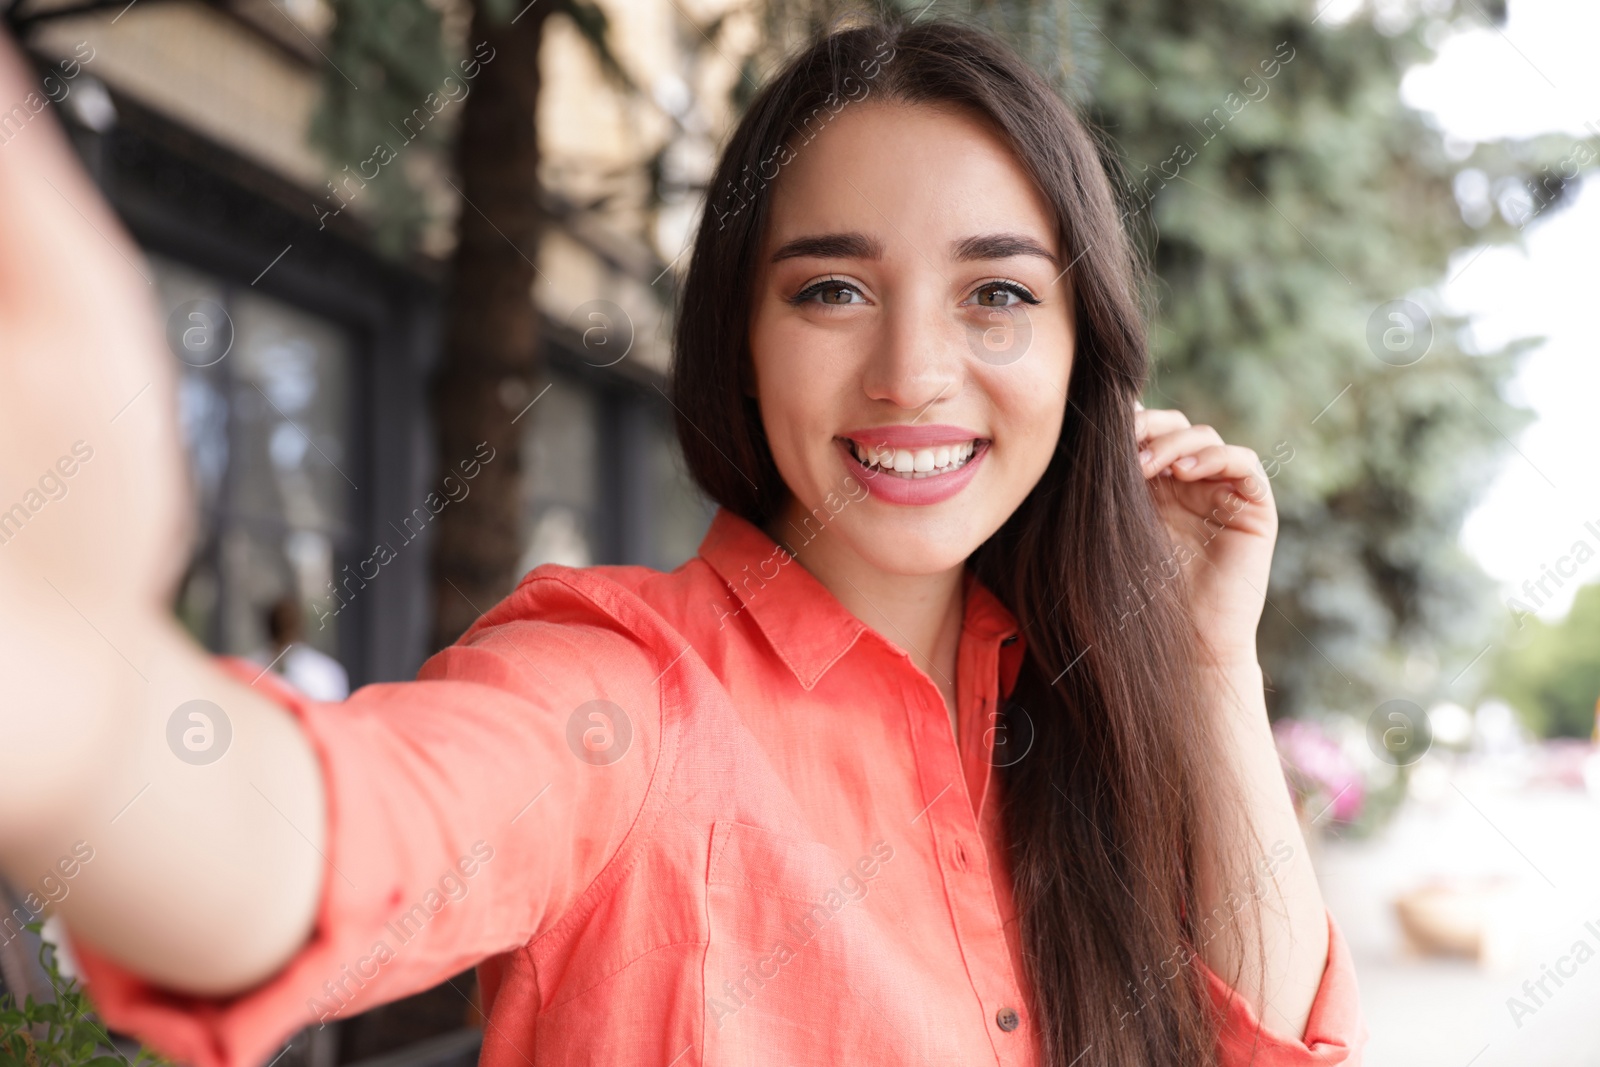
x: 1028, y: 401
x: 1031, y: 426
x: 790, y: 351
x: 798, y: 377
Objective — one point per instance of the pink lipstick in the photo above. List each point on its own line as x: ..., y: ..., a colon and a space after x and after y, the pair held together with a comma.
x: 903, y: 464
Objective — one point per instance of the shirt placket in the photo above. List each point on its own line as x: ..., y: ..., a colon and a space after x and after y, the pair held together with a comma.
x: 959, y: 846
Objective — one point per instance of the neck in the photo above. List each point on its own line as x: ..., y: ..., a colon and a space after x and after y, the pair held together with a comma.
x: 918, y: 613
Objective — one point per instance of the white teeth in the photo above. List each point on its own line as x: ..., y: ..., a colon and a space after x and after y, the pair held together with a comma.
x: 915, y: 463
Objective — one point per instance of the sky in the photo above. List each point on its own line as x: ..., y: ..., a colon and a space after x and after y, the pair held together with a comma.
x: 1535, y: 75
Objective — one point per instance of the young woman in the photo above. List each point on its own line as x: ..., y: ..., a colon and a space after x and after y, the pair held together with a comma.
x: 949, y: 747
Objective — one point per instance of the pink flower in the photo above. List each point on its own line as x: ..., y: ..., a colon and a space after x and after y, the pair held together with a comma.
x: 1326, y: 780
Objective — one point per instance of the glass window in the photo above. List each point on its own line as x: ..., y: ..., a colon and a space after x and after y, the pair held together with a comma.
x: 568, y: 466
x: 683, y: 514
x: 561, y: 477
x: 265, y: 405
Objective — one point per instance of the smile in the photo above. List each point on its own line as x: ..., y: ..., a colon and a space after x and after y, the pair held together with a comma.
x: 915, y: 463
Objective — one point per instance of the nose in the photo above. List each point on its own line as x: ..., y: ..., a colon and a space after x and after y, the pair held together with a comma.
x: 916, y: 359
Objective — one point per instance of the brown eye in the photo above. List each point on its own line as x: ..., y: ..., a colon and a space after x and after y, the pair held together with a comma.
x: 1003, y: 294
x: 833, y: 293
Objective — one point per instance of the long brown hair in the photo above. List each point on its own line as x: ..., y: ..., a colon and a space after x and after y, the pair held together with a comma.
x: 1119, y: 799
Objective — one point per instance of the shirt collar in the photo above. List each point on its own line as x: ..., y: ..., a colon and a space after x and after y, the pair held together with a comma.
x: 806, y: 624
x: 803, y: 622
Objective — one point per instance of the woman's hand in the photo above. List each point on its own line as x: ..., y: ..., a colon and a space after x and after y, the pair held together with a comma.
x: 84, y: 360
x: 1217, y: 503
x: 92, y: 488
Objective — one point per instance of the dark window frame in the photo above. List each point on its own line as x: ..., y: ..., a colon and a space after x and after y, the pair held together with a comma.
x: 192, y: 201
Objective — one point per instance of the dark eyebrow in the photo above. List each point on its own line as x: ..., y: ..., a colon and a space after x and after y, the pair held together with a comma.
x: 999, y: 246
x: 831, y: 246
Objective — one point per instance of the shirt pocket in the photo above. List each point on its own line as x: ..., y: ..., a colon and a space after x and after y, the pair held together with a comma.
x: 792, y: 938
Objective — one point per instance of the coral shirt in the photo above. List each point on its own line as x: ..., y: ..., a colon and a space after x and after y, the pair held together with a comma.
x: 698, y: 817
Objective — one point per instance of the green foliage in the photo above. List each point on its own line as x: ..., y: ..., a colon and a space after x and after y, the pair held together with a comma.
x: 58, y: 1033
x: 1551, y: 673
x: 385, y: 59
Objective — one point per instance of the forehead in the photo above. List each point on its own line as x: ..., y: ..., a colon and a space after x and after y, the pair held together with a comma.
x: 920, y: 172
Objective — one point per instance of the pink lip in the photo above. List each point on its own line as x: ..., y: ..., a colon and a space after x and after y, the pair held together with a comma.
x: 895, y: 490
x: 906, y: 436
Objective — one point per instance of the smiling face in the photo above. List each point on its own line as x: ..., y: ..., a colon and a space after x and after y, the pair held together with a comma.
x: 910, y: 333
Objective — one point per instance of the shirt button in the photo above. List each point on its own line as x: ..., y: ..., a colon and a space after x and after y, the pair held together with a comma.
x: 1007, y: 1019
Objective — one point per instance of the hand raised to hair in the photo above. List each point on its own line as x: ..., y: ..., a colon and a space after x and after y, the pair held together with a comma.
x: 1217, y: 504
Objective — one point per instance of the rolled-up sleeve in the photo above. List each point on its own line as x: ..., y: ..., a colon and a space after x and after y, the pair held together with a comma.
x: 1336, y: 1032
x: 465, y: 811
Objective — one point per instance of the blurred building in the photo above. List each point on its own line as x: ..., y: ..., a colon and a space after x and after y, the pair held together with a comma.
x: 305, y: 354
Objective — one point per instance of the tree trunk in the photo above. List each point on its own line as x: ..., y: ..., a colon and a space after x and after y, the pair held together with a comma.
x: 491, y: 331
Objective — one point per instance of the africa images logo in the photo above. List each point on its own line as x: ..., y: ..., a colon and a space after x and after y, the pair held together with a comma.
x: 599, y: 732
x: 199, y: 732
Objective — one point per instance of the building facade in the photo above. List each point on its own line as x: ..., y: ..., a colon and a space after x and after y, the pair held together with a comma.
x: 306, y: 354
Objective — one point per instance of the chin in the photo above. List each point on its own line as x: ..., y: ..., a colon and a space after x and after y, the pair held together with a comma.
x: 914, y: 560
x: 916, y: 541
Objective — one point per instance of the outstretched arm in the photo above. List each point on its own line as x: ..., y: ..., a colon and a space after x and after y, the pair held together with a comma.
x: 336, y: 855
x: 204, y: 877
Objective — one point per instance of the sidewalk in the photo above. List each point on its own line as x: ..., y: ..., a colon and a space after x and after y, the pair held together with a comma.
x: 1476, y: 819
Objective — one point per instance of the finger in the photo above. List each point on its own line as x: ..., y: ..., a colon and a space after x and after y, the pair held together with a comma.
x: 56, y: 227
x: 1215, y: 504
x: 1149, y: 422
x: 1164, y: 449
x: 71, y: 280
x: 1219, y: 504
x: 1235, y: 465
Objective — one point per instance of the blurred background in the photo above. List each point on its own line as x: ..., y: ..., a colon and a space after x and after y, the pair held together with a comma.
x: 417, y: 261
